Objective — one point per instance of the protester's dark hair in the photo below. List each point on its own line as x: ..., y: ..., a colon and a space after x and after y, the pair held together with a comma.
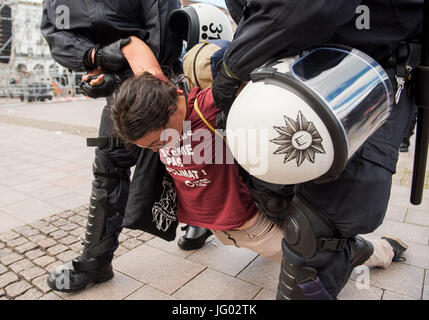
x: 143, y: 103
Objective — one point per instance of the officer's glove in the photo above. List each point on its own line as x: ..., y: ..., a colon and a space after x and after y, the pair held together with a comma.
x: 110, y: 83
x: 225, y: 89
x: 110, y: 58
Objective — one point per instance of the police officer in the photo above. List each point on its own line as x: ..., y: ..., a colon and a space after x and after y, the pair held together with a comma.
x: 356, y: 202
x: 88, y: 36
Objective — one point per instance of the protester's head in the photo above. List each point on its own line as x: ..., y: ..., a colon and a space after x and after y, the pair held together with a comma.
x: 144, y: 107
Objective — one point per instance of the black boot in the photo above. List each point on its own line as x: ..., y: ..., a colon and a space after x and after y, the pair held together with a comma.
x: 194, y: 238
x: 77, y: 274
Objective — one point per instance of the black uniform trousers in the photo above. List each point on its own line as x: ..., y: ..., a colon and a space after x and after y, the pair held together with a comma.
x: 356, y: 202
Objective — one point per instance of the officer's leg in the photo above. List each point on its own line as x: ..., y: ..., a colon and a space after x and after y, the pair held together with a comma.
x: 353, y: 204
x: 107, y: 206
x: 311, y: 244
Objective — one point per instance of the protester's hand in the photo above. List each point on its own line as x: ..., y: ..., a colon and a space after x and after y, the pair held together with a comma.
x: 225, y: 89
x: 110, y: 58
x: 98, y: 86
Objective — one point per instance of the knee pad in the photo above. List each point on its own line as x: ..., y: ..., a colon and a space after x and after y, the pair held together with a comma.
x: 308, y: 242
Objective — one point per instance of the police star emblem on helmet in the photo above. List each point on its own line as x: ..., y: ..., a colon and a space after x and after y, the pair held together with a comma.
x: 298, y: 140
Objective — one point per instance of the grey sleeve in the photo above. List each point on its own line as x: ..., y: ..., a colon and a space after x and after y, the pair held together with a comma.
x: 272, y: 28
x: 67, y: 48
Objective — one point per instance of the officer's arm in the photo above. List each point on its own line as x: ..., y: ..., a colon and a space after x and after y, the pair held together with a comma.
x: 270, y: 28
x: 67, y: 48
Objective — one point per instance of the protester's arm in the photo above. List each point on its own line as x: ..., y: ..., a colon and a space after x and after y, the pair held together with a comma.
x: 141, y: 58
x: 67, y: 48
x: 269, y: 28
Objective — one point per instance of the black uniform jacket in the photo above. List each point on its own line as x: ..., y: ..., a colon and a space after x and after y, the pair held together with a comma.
x: 71, y: 27
x: 280, y: 28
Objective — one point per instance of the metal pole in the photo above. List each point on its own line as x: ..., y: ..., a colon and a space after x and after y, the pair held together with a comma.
x: 422, y: 101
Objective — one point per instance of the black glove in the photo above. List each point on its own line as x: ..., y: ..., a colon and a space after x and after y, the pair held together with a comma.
x: 110, y: 84
x: 224, y: 89
x: 110, y: 58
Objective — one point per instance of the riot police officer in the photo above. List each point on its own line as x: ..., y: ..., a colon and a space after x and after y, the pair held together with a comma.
x: 88, y: 36
x: 327, y: 216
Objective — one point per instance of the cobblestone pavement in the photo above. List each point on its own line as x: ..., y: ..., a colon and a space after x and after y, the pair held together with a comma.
x: 30, y: 252
x: 44, y: 187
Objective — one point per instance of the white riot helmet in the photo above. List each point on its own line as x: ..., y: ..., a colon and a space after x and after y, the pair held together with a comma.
x: 200, y: 22
x: 301, y: 119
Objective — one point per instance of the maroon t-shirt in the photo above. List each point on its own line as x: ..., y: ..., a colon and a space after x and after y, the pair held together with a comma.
x: 210, y: 194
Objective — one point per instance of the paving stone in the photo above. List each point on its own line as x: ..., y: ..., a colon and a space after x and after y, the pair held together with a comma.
x: 400, y: 278
x: 65, y: 214
x: 68, y: 240
x: 41, y: 284
x: 51, y: 296
x: 16, y: 242
x: 58, y: 234
x: 118, y: 288
x: 171, y: 246
x: 406, y: 232
x: 52, y: 218
x: 30, y: 274
x: 132, y: 243
x: 39, y: 224
x: 17, y: 288
x: 1, y: 245
x: 78, y: 220
x: 2, y: 293
x: 151, y: 266
x: 10, y: 258
x: 77, y: 246
x: 59, y: 222
x: 26, y: 247
x: 120, y: 251
x: 44, y: 261
x: 262, y: 272
x: 389, y: 295
x: 37, y: 238
x: 418, y: 217
x: 31, y: 294
x: 56, y: 249
x: 417, y: 255
x: 354, y: 291
x: 3, y: 269
x: 47, y: 243
x: 266, y: 294
x: 34, y: 254
x: 78, y: 233
x: 123, y: 237
x: 218, y: 256
x: 10, y: 235
x: 135, y: 233
x: 69, y: 227
x: 146, y: 237
x: 66, y: 256
x: 48, y: 229
x: 5, y: 252
x: 19, y: 266
x: 27, y: 231
x: 218, y: 286
x: 396, y: 213
x: 149, y: 293
x: 7, y: 278
x: 53, y: 266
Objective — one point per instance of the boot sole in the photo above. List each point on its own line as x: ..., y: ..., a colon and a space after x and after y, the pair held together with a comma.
x: 397, y: 240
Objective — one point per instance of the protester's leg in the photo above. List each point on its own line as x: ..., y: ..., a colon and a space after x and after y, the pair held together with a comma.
x: 382, y: 256
x: 263, y: 236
